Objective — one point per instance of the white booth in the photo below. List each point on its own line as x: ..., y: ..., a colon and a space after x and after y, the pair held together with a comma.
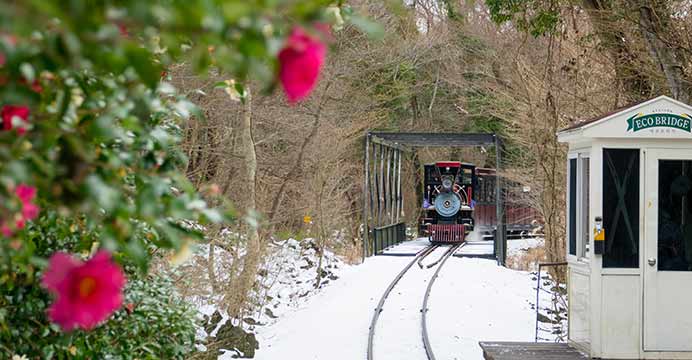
x: 629, y: 232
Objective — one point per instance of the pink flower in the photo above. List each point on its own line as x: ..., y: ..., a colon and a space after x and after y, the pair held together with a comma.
x: 300, y: 61
x: 25, y: 193
x: 9, y: 112
x: 35, y: 85
x: 19, y: 223
x: 5, y: 230
x: 123, y: 30
x: 30, y: 211
x: 9, y: 39
x: 87, y: 292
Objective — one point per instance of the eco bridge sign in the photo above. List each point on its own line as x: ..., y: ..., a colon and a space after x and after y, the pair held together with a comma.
x: 640, y: 121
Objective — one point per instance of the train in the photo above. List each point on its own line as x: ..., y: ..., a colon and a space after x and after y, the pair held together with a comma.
x: 459, y: 198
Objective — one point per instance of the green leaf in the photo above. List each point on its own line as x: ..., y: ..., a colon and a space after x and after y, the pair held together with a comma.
x: 105, y: 196
x: 234, y: 10
x: 143, y: 62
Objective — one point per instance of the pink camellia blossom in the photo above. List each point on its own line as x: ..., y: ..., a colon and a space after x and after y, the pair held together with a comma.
x: 5, y: 230
x: 87, y: 292
x: 25, y: 193
x: 20, y: 223
x: 35, y: 85
x: 124, y: 32
x: 300, y: 63
x: 9, y: 112
x: 30, y: 211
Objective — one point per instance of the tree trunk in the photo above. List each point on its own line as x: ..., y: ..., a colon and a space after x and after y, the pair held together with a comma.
x: 628, y: 67
x: 211, y: 269
x: 252, y: 257
x: 551, y: 164
x: 654, y: 17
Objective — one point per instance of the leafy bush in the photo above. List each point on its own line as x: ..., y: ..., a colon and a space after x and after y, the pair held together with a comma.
x: 89, y: 140
x: 154, y: 324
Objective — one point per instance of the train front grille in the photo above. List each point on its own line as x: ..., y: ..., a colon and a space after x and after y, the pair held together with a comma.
x: 447, y: 233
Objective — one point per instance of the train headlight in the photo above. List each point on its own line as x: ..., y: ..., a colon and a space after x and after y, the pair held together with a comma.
x: 447, y: 183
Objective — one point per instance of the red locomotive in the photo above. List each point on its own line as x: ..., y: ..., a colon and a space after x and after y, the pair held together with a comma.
x: 459, y: 198
x: 448, y: 201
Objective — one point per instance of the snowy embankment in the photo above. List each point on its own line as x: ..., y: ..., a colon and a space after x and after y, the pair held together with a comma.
x: 288, y: 279
x: 472, y: 300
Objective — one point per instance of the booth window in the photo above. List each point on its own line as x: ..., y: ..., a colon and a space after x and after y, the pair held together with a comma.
x: 584, y: 176
x: 572, y: 206
x: 621, y: 208
x: 578, y: 206
x: 675, y: 215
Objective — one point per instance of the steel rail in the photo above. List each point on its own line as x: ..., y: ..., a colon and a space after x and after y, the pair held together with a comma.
x: 371, y: 333
x: 424, y: 309
x: 420, y: 260
x: 439, y: 259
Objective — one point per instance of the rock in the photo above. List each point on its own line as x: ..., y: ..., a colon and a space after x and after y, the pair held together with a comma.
x: 250, y: 321
x: 544, y: 319
x: 269, y: 313
x: 213, y: 321
x: 308, y: 263
x: 233, y: 337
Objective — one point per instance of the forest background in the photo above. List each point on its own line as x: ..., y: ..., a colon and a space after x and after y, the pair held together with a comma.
x: 520, y: 69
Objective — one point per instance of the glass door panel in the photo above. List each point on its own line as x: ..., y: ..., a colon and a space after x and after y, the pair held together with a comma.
x: 675, y: 215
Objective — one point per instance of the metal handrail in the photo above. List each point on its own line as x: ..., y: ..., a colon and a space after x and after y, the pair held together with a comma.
x: 386, y: 236
x: 538, y: 288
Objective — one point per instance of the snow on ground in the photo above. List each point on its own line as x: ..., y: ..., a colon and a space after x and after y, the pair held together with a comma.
x: 517, y: 246
x: 286, y: 281
x: 401, y: 317
x: 333, y: 324
x: 472, y: 300
x: 292, y: 274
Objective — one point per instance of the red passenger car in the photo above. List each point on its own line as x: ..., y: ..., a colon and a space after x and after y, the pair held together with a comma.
x: 459, y: 198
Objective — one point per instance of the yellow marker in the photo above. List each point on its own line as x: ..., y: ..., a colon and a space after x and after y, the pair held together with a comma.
x: 599, y: 235
x: 599, y: 240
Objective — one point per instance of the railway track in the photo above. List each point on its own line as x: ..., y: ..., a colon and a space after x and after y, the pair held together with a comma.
x: 417, y: 259
x: 424, y: 309
x: 371, y: 334
x: 420, y: 260
x: 449, y: 251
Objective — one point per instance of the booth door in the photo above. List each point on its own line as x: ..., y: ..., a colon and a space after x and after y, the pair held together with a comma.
x: 667, y: 261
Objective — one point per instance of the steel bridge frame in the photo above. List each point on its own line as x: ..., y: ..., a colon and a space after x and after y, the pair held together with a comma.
x: 382, y: 196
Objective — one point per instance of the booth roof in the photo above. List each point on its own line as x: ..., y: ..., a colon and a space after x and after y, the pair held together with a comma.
x: 579, y: 123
